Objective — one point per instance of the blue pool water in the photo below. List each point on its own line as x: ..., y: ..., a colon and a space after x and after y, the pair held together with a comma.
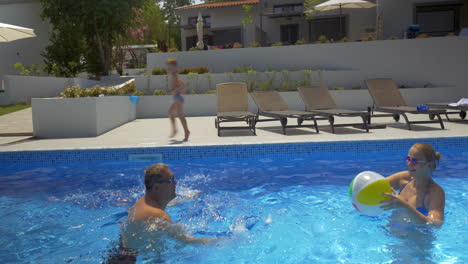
x: 266, y: 209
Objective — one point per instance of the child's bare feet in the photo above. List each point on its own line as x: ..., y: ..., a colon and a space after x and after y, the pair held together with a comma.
x: 173, y: 134
x: 187, y: 134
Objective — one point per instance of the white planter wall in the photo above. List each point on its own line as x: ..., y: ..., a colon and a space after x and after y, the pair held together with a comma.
x: 346, y: 79
x: 80, y: 117
x: 440, y: 61
x: 205, y: 104
x: 24, y: 88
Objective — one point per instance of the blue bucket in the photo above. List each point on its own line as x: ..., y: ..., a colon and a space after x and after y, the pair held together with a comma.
x: 134, y: 99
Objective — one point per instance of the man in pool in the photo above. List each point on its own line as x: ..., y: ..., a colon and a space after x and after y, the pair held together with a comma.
x: 160, y: 185
x: 419, y: 195
x: 148, y: 224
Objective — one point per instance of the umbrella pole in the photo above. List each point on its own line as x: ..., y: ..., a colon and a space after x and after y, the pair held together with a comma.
x: 341, y: 24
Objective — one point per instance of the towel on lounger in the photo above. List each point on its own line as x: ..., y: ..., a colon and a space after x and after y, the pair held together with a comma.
x: 461, y: 102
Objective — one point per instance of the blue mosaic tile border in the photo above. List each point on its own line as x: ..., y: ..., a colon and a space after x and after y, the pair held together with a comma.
x: 232, y: 151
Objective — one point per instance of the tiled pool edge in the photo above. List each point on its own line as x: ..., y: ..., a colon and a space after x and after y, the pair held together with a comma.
x: 235, y: 151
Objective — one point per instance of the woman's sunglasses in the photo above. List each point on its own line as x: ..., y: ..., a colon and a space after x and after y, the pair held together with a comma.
x: 413, y: 161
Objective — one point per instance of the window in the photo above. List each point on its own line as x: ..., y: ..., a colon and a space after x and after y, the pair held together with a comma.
x: 289, y: 33
x: 193, y: 20
x: 288, y: 8
x: 227, y: 36
x: 328, y: 27
x: 192, y: 41
x: 438, y: 20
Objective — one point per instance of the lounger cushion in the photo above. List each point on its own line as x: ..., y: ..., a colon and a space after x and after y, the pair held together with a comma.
x: 409, y: 109
x: 316, y: 97
x: 269, y: 101
x: 232, y: 97
x: 235, y: 114
x: 385, y: 92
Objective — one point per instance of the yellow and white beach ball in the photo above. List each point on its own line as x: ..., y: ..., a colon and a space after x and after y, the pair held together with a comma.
x: 366, y: 192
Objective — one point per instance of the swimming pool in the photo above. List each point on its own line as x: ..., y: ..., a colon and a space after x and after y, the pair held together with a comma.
x: 266, y: 208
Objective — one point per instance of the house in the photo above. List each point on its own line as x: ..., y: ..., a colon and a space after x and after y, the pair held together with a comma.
x: 284, y: 21
x: 23, y: 13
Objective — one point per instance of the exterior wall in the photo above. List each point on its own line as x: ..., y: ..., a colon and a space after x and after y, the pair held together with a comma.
x: 205, y: 104
x: 399, y: 14
x: 64, y: 117
x: 231, y: 17
x: 23, y: 88
x: 433, y: 61
x: 80, y: 117
x: 27, y: 51
x: 112, y: 112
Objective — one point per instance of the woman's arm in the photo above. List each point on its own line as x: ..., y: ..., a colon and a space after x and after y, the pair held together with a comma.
x: 398, y: 179
x: 435, y: 211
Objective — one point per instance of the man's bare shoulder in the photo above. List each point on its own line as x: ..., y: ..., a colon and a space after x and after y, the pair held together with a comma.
x: 143, y: 211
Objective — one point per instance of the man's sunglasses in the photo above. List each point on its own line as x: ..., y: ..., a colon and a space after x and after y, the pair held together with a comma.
x: 171, y: 180
x: 413, y: 161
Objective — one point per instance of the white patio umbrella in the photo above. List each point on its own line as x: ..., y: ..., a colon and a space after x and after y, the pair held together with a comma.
x: 11, y: 32
x: 339, y: 4
x: 200, y: 43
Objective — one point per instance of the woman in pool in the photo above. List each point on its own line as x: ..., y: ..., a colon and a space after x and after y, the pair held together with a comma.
x: 177, y: 89
x: 419, y: 196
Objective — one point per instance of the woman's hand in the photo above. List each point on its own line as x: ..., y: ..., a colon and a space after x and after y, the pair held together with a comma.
x: 395, y: 201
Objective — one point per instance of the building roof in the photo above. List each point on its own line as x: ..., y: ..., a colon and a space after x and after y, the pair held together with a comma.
x: 220, y: 4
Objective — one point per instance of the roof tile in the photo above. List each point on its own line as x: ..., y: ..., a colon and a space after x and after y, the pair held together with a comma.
x: 220, y: 4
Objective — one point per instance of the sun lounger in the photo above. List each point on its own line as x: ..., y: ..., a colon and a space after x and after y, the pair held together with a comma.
x: 388, y: 99
x: 318, y: 100
x: 272, y: 105
x: 460, y: 109
x: 233, y: 106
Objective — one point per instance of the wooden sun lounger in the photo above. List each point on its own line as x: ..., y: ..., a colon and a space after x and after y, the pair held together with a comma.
x: 233, y: 106
x: 272, y: 105
x: 460, y: 110
x: 388, y: 99
x: 318, y: 100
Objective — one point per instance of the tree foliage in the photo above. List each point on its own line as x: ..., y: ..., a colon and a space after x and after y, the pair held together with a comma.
x: 85, y: 31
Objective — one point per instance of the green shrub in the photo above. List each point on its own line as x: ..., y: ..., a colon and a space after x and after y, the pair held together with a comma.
x: 173, y: 50
x: 76, y: 91
x: 344, y: 39
x: 255, y: 45
x: 211, y: 92
x: 242, y: 69
x: 159, y: 92
x: 194, y: 48
x: 277, y: 44
x: 271, y: 69
x: 368, y: 38
x: 301, y: 42
x: 322, y: 39
x: 195, y: 70
x: 237, y: 45
x: 393, y: 38
x: 424, y: 35
x: 159, y: 71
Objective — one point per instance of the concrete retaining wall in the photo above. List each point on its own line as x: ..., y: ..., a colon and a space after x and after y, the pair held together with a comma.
x: 80, y: 117
x: 439, y: 61
x: 205, y: 104
x: 24, y: 88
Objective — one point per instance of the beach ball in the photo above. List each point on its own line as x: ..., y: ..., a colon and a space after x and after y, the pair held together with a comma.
x: 366, y: 192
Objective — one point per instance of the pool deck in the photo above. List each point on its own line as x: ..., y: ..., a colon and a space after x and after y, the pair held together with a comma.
x: 147, y: 133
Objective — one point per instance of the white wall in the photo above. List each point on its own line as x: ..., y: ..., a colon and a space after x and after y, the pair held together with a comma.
x: 205, y: 104
x: 23, y: 88
x: 80, y: 117
x: 27, y: 51
x: 64, y: 117
x: 436, y: 61
x: 399, y: 14
x: 112, y: 112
